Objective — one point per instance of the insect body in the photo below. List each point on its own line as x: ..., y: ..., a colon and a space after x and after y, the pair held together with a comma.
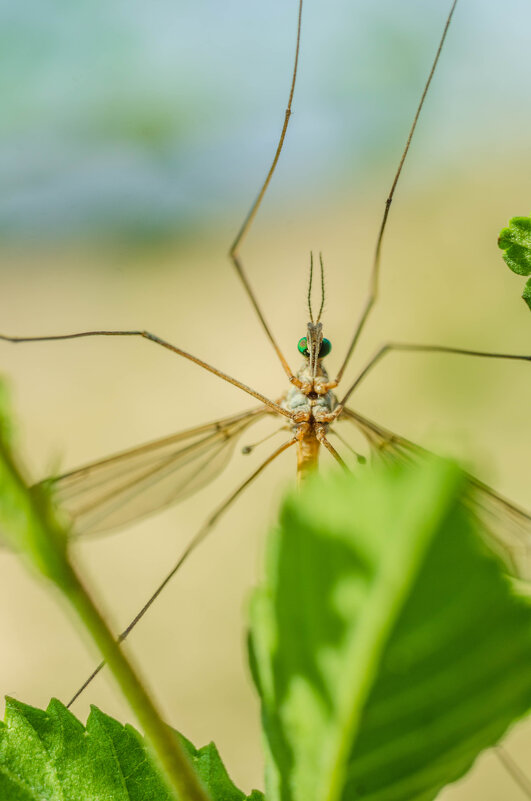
x: 311, y: 404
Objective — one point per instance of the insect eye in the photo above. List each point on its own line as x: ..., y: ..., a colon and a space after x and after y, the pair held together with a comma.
x: 326, y: 347
x: 303, y: 347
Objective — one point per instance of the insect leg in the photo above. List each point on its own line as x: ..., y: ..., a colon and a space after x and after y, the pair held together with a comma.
x: 246, y: 449
x: 390, y: 347
x: 158, y: 341
x: 196, y: 540
x: 321, y: 436
x: 375, y: 271
x: 248, y: 221
x: 518, y: 776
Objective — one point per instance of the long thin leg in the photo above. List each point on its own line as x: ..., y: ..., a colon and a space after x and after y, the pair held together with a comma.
x: 235, y: 247
x: 404, y: 346
x: 375, y: 272
x: 513, y: 770
x: 158, y: 341
x: 197, y: 539
x: 328, y: 445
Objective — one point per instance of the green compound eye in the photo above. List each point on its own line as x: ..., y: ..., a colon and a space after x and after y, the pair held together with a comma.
x: 303, y: 347
x: 324, y: 350
x: 326, y: 347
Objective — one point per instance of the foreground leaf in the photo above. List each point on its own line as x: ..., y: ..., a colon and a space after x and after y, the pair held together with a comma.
x: 51, y: 755
x: 515, y: 240
x: 387, y: 645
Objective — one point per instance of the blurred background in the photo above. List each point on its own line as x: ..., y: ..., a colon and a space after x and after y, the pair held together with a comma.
x: 132, y: 140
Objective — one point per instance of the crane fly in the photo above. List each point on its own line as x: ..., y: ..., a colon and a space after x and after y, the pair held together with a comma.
x: 125, y: 487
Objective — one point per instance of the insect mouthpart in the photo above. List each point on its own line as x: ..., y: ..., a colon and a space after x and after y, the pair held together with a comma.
x: 324, y: 350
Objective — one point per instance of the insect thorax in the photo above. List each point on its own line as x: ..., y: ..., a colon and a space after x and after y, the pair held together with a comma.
x: 308, y: 399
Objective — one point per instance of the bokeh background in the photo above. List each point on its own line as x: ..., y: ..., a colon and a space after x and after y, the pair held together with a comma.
x: 133, y: 137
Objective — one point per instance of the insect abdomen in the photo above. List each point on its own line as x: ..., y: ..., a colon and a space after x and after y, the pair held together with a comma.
x: 307, y: 455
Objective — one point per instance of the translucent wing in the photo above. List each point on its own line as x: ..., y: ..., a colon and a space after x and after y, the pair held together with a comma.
x: 507, y: 526
x: 135, y: 483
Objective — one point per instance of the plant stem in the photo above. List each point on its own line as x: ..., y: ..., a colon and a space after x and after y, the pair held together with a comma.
x: 32, y: 528
x: 174, y: 761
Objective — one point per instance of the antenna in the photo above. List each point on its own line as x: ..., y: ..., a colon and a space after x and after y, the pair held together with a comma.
x: 322, y: 287
x: 321, y: 307
x: 310, y: 287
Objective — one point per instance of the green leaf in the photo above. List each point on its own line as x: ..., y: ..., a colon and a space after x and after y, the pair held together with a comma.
x: 212, y: 771
x: 527, y: 293
x: 51, y: 755
x: 515, y: 240
x: 6, y: 417
x: 387, y: 644
x: 28, y: 521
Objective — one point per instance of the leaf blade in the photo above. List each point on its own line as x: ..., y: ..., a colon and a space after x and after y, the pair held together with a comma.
x: 515, y: 241
x: 50, y: 754
x: 327, y: 735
